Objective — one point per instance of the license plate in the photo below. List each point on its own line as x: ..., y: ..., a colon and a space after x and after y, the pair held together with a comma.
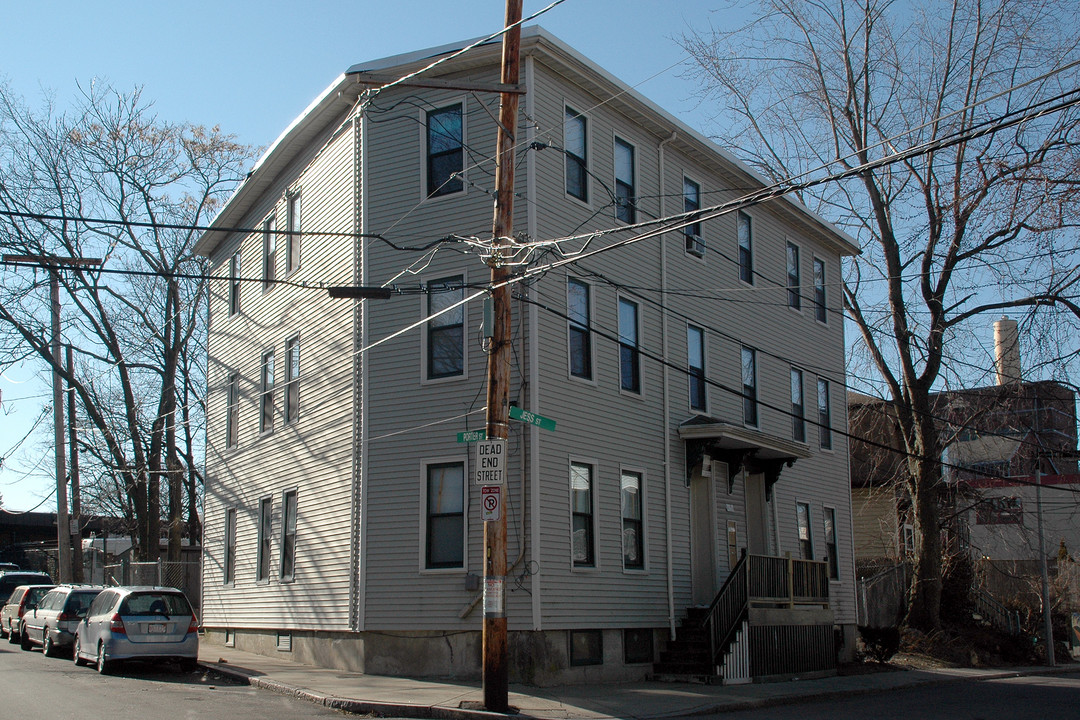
x: 157, y: 628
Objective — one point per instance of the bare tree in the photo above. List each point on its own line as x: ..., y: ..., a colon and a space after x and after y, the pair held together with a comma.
x: 109, y: 180
x: 977, y: 220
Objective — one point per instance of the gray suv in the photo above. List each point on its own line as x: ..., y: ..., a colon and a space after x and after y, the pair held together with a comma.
x: 52, y: 623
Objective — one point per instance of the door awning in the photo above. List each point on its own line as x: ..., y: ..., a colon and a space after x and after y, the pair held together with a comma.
x: 740, y: 448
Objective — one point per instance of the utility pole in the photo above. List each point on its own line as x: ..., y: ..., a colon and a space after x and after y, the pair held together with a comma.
x: 63, y: 523
x: 73, y: 471
x: 495, y: 655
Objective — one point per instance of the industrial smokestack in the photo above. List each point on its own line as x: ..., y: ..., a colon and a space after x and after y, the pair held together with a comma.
x: 1006, y: 351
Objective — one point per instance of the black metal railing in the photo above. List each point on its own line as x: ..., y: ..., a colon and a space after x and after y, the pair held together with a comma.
x: 727, y: 611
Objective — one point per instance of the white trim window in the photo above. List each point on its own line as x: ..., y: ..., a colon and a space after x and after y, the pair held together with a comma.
x: 265, y: 539
x: 294, y: 227
x: 749, y: 386
x: 831, y: 556
x: 695, y: 243
x: 232, y: 411
x: 234, y: 284
x: 575, y: 148
x: 820, y: 311
x: 824, y: 415
x: 444, y: 515
x: 798, y: 406
x: 445, y: 151
x: 578, y: 328
x: 806, y: 540
x: 629, y: 349
x: 794, y: 281
x: 625, y: 188
x: 288, y: 534
x: 582, y: 515
x: 292, y: 379
x: 746, y: 248
x: 695, y: 367
x: 632, y: 489
x: 266, y: 394
x: 445, y: 335
x: 228, y: 562
x: 269, y: 254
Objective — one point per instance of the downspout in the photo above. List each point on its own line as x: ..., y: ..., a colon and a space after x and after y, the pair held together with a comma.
x: 360, y: 377
x: 667, y: 398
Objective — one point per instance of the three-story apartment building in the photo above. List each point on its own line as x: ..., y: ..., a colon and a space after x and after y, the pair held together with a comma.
x: 695, y: 377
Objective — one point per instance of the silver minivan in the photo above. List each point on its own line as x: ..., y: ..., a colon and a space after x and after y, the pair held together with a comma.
x: 138, y: 623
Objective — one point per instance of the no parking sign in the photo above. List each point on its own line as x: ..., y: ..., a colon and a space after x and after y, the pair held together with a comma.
x: 490, y: 502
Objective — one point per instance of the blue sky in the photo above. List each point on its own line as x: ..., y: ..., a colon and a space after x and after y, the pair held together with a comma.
x: 251, y: 67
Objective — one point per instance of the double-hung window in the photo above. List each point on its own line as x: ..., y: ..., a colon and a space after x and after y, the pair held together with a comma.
x: 629, y: 353
x: 266, y: 520
x: 269, y: 243
x: 292, y: 379
x: 749, y: 386
x: 575, y: 147
x: 445, y: 516
x: 798, y: 406
x: 819, y: 291
x: 232, y: 411
x: 830, y: 544
x: 695, y: 244
x: 794, y: 296
x: 234, y: 283
x: 695, y: 360
x: 228, y: 571
x: 445, y: 151
x: 446, y: 331
x: 579, y: 310
x: 625, y: 207
x: 806, y: 542
x: 266, y: 394
x: 632, y: 521
x: 288, y: 534
x: 824, y: 414
x: 292, y: 219
x: 583, y: 551
x: 746, y: 248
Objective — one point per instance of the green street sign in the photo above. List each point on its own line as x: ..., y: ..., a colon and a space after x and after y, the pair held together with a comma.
x: 472, y: 436
x: 531, y: 418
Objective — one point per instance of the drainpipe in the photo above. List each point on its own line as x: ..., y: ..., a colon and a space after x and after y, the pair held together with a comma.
x: 667, y: 399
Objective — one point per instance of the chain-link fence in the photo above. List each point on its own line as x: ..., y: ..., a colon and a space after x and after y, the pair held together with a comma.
x: 185, y: 576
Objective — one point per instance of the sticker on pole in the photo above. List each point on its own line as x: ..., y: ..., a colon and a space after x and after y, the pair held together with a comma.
x: 494, y: 590
x: 490, y: 502
x: 490, y: 465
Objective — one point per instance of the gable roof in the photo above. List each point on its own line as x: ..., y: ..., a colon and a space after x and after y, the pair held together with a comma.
x: 345, y: 90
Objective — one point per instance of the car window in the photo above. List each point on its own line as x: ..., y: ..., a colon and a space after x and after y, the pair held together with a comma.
x: 78, y: 603
x: 16, y: 595
x: 155, y: 603
x: 35, y: 594
x: 101, y: 603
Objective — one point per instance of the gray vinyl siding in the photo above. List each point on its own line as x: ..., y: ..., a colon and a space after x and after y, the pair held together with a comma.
x: 313, y: 454
x: 410, y: 421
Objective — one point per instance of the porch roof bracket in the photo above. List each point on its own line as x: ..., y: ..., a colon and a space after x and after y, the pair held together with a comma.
x: 771, y: 469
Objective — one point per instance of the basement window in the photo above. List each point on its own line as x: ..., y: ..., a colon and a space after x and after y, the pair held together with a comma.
x: 637, y: 646
x: 586, y: 647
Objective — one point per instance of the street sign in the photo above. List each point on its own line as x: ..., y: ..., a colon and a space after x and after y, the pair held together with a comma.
x: 471, y: 436
x: 490, y: 465
x: 531, y: 418
x: 490, y: 502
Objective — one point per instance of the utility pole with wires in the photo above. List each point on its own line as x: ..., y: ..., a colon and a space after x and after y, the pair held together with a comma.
x: 495, y: 651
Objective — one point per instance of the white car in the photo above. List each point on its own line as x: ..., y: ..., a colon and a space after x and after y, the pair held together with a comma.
x: 51, y: 624
x: 138, y: 623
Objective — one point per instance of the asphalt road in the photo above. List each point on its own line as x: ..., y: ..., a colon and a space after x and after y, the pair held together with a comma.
x: 1046, y: 697
x: 34, y: 687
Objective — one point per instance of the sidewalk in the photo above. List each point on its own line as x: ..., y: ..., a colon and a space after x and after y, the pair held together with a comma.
x: 415, y: 698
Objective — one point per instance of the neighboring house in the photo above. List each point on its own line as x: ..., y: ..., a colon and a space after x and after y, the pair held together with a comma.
x: 997, y: 439
x: 341, y: 521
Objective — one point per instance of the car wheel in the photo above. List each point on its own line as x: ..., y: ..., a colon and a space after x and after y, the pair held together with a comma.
x: 189, y: 664
x: 103, y: 666
x: 76, y: 651
x: 13, y: 637
x: 48, y: 649
x: 4, y: 632
x: 24, y: 638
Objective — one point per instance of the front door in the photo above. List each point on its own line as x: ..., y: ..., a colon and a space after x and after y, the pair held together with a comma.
x: 704, y: 572
x: 758, y: 514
